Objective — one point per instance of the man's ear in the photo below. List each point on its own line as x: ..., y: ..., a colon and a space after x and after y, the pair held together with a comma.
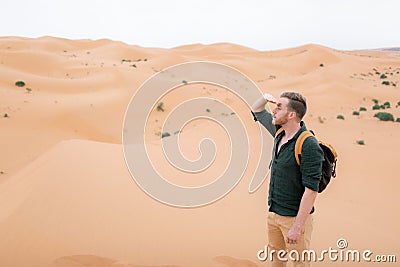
x: 292, y: 115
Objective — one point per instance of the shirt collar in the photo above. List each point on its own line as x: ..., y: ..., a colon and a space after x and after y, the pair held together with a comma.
x: 302, y: 129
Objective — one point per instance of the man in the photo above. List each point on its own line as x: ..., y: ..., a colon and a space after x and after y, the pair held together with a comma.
x: 293, y: 188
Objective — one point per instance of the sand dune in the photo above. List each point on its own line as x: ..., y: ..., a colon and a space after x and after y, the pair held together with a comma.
x: 66, y: 195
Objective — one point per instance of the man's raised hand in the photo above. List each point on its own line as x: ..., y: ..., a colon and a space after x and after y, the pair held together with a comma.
x: 270, y: 98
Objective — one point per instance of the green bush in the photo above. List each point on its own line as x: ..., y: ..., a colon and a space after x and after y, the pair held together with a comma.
x: 360, y: 142
x: 5, y: 115
x: 375, y: 107
x: 160, y: 106
x: 383, y: 76
x: 386, y: 82
x: 184, y: 82
x: 165, y: 134
x: 28, y: 89
x: 375, y: 101
x: 340, y: 117
x: 19, y: 83
x: 386, y: 104
x: 363, y: 109
x: 384, y: 116
x: 382, y: 106
x: 398, y: 120
x: 356, y: 113
x: 321, y: 65
x: 208, y: 110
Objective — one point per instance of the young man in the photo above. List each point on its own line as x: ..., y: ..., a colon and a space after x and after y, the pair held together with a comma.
x: 292, y: 189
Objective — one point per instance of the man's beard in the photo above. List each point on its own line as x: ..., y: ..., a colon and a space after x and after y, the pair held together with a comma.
x: 281, y: 121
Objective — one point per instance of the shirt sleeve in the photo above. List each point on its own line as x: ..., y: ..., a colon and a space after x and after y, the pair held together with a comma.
x: 265, y: 118
x: 312, y: 157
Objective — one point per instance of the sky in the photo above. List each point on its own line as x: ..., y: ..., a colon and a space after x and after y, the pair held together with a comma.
x: 259, y: 24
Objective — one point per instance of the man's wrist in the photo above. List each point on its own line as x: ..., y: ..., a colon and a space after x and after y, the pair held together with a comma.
x: 297, y: 225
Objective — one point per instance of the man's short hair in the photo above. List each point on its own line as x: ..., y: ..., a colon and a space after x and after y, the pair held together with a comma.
x: 297, y: 103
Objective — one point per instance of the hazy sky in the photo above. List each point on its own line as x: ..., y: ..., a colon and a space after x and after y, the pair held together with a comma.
x: 260, y: 24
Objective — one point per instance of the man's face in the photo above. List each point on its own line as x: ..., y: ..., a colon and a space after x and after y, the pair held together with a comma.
x: 280, y: 114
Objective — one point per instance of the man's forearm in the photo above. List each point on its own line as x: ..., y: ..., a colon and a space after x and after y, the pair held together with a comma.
x: 306, y: 204
x: 259, y: 105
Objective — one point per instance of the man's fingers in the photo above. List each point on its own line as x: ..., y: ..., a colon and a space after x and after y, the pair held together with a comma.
x: 270, y: 98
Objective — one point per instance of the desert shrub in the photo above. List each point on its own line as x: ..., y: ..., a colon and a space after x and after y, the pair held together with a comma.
x: 398, y: 120
x: 208, y: 110
x: 387, y: 104
x: 19, y: 83
x: 375, y: 107
x: 384, y: 116
x: 340, y: 117
x: 382, y: 106
x: 386, y: 82
x: 165, y: 134
x: 363, y: 109
x: 184, y: 82
x: 321, y: 65
x: 376, y: 101
x: 160, y: 106
x: 360, y: 142
x: 383, y: 76
x: 5, y: 115
x: 356, y: 113
x: 28, y: 89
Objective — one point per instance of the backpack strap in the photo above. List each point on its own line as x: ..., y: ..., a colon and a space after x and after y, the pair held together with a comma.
x: 299, y: 144
x: 278, y: 132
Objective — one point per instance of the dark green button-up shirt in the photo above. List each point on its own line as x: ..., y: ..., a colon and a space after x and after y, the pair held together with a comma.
x: 288, y: 180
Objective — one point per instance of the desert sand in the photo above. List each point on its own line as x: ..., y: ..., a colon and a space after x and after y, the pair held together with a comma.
x: 68, y: 199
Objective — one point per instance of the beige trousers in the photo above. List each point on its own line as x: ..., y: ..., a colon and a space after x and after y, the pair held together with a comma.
x: 278, y: 228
